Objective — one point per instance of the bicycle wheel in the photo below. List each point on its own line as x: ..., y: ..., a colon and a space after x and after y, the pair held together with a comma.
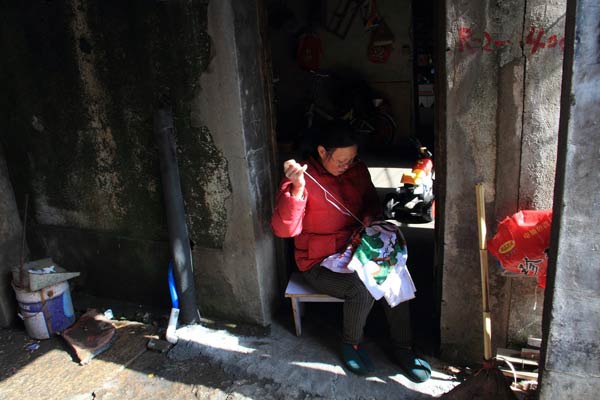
x: 385, y: 130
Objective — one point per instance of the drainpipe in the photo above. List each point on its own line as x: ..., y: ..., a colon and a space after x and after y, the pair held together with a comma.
x: 171, y: 334
x: 179, y: 241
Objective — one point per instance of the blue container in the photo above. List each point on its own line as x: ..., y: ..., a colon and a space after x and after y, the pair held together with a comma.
x: 46, y: 311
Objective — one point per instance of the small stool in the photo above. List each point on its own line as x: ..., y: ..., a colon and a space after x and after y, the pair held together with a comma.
x: 299, y: 291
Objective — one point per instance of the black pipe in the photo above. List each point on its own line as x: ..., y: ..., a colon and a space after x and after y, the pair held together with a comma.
x: 179, y: 241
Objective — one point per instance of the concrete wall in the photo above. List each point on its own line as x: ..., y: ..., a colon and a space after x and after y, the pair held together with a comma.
x: 502, y: 102
x: 541, y: 106
x: 572, y: 314
x: 82, y: 81
x: 231, y: 104
x: 10, y: 245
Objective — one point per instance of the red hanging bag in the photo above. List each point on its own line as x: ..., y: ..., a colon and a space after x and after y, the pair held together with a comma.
x: 521, y: 243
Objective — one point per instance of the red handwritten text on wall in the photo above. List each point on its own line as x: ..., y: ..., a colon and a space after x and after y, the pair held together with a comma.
x: 487, y: 44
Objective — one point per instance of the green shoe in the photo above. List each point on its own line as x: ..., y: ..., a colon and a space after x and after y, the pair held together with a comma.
x: 356, y: 359
x: 364, y: 356
x: 414, y: 368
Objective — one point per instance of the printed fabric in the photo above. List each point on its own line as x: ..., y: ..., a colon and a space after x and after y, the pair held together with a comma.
x: 378, y: 257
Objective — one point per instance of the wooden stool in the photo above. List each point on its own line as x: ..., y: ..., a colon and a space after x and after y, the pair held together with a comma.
x: 299, y: 291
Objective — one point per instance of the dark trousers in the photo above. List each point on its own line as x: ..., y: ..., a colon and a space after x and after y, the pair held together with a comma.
x: 357, y: 305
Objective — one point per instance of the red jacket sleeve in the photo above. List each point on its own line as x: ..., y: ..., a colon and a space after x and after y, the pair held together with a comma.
x: 286, y: 220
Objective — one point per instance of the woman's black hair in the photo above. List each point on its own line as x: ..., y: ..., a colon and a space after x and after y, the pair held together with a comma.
x: 331, y: 135
x: 336, y: 134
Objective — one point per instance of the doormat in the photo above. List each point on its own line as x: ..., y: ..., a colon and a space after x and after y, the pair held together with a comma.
x: 92, y: 334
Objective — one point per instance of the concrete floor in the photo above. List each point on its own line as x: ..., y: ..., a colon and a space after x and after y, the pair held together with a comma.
x: 210, y: 361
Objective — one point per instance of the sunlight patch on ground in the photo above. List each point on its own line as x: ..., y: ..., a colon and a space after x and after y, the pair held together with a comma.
x: 375, y: 379
x: 334, y: 369
x: 438, y: 384
x: 441, y: 376
x: 218, y: 339
x: 53, y: 374
x: 298, y: 364
x: 41, y: 363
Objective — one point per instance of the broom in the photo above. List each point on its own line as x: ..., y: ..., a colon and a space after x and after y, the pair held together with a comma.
x: 489, y: 382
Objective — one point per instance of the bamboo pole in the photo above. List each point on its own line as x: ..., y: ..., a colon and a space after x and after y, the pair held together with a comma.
x: 483, y: 260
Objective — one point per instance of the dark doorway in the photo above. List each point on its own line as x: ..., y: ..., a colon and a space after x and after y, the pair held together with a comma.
x: 327, y: 59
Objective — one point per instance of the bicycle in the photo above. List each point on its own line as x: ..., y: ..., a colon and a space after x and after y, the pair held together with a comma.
x: 313, y: 108
x: 357, y: 104
x: 378, y: 126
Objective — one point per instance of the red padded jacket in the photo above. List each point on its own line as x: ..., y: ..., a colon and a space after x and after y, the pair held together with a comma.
x: 318, y: 228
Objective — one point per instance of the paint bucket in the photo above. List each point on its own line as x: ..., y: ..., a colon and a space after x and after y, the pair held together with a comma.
x: 46, y: 311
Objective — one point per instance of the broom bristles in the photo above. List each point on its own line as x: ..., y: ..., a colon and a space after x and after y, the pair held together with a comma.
x: 487, y: 383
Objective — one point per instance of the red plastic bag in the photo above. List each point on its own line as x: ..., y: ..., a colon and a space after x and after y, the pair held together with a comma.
x: 521, y: 242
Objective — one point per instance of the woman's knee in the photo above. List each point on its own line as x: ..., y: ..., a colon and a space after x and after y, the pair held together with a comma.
x: 360, y: 294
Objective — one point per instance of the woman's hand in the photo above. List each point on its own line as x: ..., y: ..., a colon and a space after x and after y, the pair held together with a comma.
x: 295, y: 173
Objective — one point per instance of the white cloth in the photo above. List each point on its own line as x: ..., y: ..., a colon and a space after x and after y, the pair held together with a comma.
x: 398, y: 285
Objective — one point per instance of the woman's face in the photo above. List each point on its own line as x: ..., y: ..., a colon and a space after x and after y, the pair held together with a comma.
x: 337, y: 160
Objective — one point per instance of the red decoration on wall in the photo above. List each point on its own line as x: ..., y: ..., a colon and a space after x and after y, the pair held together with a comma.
x: 487, y: 44
x: 309, y: 52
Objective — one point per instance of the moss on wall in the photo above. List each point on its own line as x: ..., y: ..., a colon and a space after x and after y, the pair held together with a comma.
x: 87, y: 79
x: 206, y: 187
x: 82, y: 81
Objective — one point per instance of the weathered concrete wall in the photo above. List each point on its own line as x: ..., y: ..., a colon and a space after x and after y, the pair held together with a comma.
x: 84, y: 78
x: 572, y: 315
x: 231, y: 105
x: 471, y: 141
x: 82, y: 81
x: 502, y: 103
x: 10, y: 245
x: 543, y: 37
x: 510, y: 120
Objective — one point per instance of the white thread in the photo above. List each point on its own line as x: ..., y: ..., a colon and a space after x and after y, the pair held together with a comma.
x: 345, y: 211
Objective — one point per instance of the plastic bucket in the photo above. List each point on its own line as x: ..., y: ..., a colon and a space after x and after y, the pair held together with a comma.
x: 46, y: 311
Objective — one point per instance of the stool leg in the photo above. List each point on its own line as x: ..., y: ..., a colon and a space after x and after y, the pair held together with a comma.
x: 297, y: 319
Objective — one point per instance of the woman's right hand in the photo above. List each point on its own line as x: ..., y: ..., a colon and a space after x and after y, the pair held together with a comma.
x: 295, y: 173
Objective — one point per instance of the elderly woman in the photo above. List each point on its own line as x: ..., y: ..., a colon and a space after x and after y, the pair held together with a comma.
x: 308, y: 210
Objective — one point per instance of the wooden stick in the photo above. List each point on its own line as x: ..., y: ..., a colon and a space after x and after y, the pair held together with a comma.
x: 483, y: 260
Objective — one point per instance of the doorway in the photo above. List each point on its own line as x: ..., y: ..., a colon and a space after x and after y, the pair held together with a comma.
x: 373, y: 64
